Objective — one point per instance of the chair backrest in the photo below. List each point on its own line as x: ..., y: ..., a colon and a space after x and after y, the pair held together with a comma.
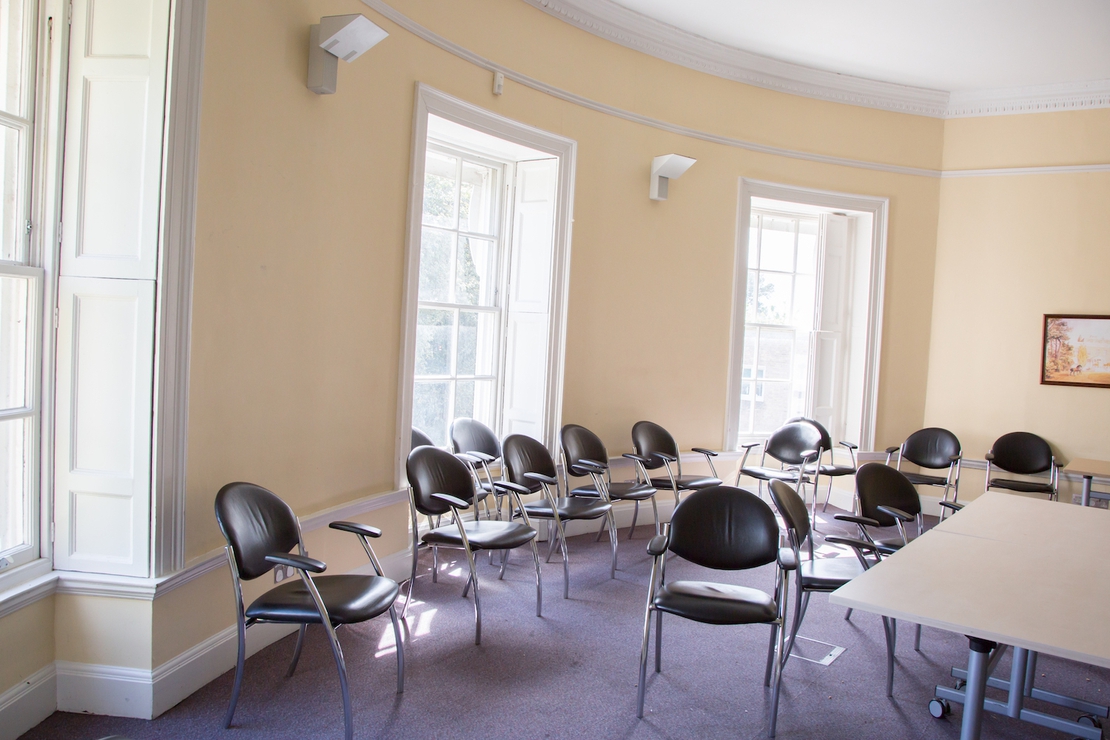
x: 724, y: 528
x: 793, y: 510
x: 419, y: 439
x: 522, y: 454
x: 471, y: 435
x: 579, y: 443
x: 649, y: 438
x: 931, y: 448
x: 256, y: 523
x: 826, y: 438
x: 1023, y: 453
x: 787, y: 443
x: 432, y: 470
x: 881, y: 485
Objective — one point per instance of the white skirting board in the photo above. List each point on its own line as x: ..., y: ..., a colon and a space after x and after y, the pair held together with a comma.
x: 27, y: 703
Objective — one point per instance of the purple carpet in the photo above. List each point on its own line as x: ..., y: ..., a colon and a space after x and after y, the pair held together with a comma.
x: 572, y: 673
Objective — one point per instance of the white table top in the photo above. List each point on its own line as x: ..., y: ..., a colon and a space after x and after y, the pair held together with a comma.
x: 1015, y: 570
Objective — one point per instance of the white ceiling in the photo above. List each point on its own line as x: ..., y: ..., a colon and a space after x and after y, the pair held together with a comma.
x: 949, y: 45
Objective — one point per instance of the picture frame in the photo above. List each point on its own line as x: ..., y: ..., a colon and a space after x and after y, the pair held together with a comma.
x: 1076, y: 350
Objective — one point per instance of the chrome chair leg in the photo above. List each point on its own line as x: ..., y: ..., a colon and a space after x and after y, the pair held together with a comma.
x: 828, y: 495
x: 635, y: 514
x: 504, y: 564
x: 643, y: 663
x: 337, y: 652
x: 917, y: 639
x: 848, y: 615
x: 560, y: 534
x: 889, y: 627
x: 655, y: 513
x: 801, y: 603
x: 297, y: 650
x: 551, y: 537
x: 612, y: 542
x: 658, y: 641
x: 435, y: 564
x: 238, y: 684
x: 400, y: 650
x: 539, y: 582
x: 600, y: 530
x: 477, y: 599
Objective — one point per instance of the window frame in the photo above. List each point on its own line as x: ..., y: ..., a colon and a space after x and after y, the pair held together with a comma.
x: 878, y: 209
x: 429, y: 101
x: 501, y: 220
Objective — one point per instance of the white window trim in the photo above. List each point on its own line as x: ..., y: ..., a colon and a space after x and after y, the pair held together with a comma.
x: 432, y: 101
x: 879, y: 209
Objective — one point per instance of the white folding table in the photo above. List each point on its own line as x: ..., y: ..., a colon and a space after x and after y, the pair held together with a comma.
x: 1007, y: 570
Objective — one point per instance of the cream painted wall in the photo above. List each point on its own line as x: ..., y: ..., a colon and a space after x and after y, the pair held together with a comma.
x: 301, y: 224
x: 1037, y: 140
x: 1009, y: 250
x: 102, y: 630
x: 26, y: 642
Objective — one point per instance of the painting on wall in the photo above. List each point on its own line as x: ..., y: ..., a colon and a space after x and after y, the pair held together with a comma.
x: 1076, y: 350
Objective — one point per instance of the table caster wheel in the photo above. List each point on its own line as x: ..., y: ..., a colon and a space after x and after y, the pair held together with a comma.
x: 960, y: 683
x: 940, y: 708
x: 1090, y: 720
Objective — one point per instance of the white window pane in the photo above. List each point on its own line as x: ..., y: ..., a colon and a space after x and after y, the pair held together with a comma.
x: 440, y: 190
x: 749, y: 303
x: 753, y: 245
x: 477, y: 210
x: 14, y: 449
x: 776, y: 354
x: 429, y: 409
x: 773, y: 302
x: 15, y: 341
x: 807, y: 247
x: 11, y: 219
x: 477, y: 343
x: 776, y: 249
x: 435, y: 265
x: 485, y: 396
x: 12, y: 72
x: 434, y: 331
x: 475, y: 272
x: 773, y: 408
x: 805, y: 294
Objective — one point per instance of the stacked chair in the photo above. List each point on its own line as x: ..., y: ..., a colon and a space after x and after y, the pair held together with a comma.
x: 439, y: 484
x: 831, y: 469
x: 529, y: 468
x: 656, y: 448
x: 796, y: 447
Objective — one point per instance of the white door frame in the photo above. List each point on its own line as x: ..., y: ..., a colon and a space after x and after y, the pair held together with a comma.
x: 878, y: 208
x: 432, y: 101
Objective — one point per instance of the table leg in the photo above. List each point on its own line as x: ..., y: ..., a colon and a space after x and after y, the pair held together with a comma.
x: 1086, y: 500
x: 978, y: 656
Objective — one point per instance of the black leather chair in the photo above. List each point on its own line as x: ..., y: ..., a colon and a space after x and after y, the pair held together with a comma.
x: 885, y: 497
x: 656, y: 448
x: 932, y: 448
x: 796, y: 447
x: 476, y: 445
x: 260, y: 530
x: 420, y: 439
x: 440, y: 483
x: 724, y: 528
x: 578, y: 444
x: 1023, y: 453
x: 831, y: 469
x: 823, y: 575
x: 530, y: 468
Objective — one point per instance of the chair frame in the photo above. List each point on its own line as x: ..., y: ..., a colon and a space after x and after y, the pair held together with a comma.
x: 457, y: 506
x: 952, y: 477
x: 1053, y: 471
x: 305, y: 566
x: 658, y: 548
x: 667, y: 459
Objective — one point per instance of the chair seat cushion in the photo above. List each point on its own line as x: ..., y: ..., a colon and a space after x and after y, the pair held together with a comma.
x: 829, y: 574
x: 761, y: 473
x: 837, y: 470
x: 687, y: 482
x: 1024, y: 486
x: 348, y: 598
x: 923, y: 479
x: 622, y: 490
x: 483, y: 535
x: 716, y: 603
x: 570, y: 508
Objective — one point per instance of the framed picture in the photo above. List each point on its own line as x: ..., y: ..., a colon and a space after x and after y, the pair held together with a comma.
x: 1076, y: 350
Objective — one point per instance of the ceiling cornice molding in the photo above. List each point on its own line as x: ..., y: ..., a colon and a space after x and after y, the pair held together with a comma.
x: 636, y: 31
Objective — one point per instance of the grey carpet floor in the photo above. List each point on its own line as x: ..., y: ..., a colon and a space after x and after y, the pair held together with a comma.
x: 573, y: 672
